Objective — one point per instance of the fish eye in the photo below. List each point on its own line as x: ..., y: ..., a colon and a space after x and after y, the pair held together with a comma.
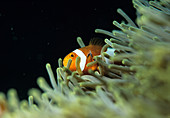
x: 72, y: 55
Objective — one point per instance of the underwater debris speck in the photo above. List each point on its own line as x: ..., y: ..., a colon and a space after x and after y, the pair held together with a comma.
x: 137, y: 89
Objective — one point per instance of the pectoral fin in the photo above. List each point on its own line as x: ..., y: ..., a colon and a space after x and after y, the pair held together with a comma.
x: 89, y: 57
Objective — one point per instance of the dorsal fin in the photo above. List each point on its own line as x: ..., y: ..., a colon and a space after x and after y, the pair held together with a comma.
x: 96, y: 41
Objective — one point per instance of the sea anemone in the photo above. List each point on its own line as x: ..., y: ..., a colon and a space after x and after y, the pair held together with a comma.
x: 136, y: 87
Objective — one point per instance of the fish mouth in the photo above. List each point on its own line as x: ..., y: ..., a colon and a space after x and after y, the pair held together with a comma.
x: 65, y: 61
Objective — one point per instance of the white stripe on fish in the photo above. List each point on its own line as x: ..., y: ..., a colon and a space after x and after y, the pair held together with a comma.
x: 82, y: 58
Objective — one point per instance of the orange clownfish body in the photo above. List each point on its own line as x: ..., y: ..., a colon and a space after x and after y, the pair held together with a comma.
x: 86, y: 55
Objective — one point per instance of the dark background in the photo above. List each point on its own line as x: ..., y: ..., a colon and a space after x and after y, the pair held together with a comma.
x: 34, y: 33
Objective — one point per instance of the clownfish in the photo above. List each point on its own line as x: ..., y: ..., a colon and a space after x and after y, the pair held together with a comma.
x: 86, y: 55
